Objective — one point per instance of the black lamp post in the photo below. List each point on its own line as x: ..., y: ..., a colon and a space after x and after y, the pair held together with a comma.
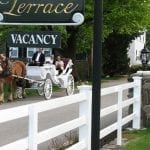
x: 145, y: 56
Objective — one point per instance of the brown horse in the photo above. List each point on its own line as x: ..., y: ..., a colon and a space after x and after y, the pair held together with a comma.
x: 7, y: 70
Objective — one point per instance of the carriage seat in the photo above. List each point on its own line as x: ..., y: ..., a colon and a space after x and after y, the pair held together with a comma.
x: 67, y: 65
x: 48, y: 60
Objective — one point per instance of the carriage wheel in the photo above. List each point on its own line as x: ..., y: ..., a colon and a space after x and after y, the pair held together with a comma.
x: 48, y: 89
x: 70, y: 87
x: 41, y: 89
x: 19, y: 92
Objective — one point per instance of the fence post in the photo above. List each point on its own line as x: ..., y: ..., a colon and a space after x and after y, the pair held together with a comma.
x: 137, y: 103
x: 33, y: 127
x: 119, y: 117
x: 85, y: 108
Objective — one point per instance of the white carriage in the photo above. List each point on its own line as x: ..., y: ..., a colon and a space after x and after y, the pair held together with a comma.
x: 43, y: 78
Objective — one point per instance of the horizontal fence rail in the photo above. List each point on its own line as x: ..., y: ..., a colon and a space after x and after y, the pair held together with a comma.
x: 83, y: 122
x: 135, y: 101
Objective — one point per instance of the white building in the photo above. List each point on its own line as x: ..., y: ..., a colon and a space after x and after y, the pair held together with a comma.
x: 134, y: 50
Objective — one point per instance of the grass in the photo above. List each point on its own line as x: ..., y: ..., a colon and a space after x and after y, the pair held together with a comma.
x: 65, y: 141
x: 29, y: 92
x: 137, y: 140
x: 103, y: 80
x: 6, y: 91
x: 116, y: 77
x: 33, y: 92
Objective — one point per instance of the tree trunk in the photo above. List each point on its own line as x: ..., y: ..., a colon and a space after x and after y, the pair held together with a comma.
x: 71, y: 49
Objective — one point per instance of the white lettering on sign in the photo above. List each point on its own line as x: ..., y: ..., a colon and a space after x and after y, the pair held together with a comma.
x: 33, y: 39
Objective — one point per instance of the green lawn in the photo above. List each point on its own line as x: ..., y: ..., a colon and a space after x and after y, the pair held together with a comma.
x: 29, y: 92
x: 137, y: 140
x: 106, y: 79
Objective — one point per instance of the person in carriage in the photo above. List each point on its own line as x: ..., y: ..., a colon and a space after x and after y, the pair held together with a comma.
x: 59, y: 64
x: 38, y: 58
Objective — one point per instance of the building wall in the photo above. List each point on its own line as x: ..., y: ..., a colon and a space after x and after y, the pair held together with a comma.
x: 134, y: 50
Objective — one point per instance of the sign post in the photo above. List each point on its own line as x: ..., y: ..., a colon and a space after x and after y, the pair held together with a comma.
x: 96, y: 88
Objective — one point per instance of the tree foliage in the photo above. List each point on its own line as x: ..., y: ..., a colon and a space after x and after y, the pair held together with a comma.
x: 85, y: 34
x: 120, y: 17
x: 122, y: 22
x: 126, y: 16
x: 115, y: 60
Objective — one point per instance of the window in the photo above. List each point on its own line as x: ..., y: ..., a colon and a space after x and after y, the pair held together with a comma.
x: 47, y: 52
x: 13, y: 52
x: 30, y: 52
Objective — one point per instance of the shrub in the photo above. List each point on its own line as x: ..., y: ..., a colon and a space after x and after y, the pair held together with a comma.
x: 134, y: 69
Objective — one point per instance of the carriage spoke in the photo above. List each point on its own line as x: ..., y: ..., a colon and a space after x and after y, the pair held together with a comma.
x: 48, y: 89
x: 70, y: 87
x: 19, y: 92
x: 41, y: 89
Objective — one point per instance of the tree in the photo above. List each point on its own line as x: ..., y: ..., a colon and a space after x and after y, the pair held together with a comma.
x: 119, y: 16
x: 115, y: 60
x: 126, y: 17
x: 122, y: 17
x: 148, y: 39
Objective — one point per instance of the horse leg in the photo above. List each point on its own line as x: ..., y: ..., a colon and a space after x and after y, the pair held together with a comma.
x: 23, y: 89
x: 14, y: 88
x: 10, y: 97
x: 1, y: 92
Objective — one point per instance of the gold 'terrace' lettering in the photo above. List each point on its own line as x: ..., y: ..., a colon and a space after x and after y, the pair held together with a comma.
x: 17, y: 9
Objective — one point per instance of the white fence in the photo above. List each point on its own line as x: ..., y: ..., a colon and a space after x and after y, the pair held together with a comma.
x: 83, y: 122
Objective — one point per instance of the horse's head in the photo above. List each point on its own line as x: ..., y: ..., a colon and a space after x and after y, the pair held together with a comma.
x: 3, y: 62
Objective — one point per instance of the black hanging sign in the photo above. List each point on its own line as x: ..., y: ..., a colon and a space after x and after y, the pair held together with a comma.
x: 41, y: 12
x: 47, y: 39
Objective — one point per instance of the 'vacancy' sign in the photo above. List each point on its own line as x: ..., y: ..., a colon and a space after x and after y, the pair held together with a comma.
x: 45, y: 39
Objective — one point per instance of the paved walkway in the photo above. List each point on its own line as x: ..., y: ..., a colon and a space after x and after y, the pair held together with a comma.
x: 109, y: 83
x: 112, y: 145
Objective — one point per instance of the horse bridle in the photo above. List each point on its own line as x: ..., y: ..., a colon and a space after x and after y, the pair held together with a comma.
x: 4, y: 64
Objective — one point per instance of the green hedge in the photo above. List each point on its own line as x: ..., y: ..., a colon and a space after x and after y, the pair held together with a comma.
x: 135, y: 68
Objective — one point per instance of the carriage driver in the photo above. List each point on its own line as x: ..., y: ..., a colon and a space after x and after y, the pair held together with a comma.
x: 38, y: 58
